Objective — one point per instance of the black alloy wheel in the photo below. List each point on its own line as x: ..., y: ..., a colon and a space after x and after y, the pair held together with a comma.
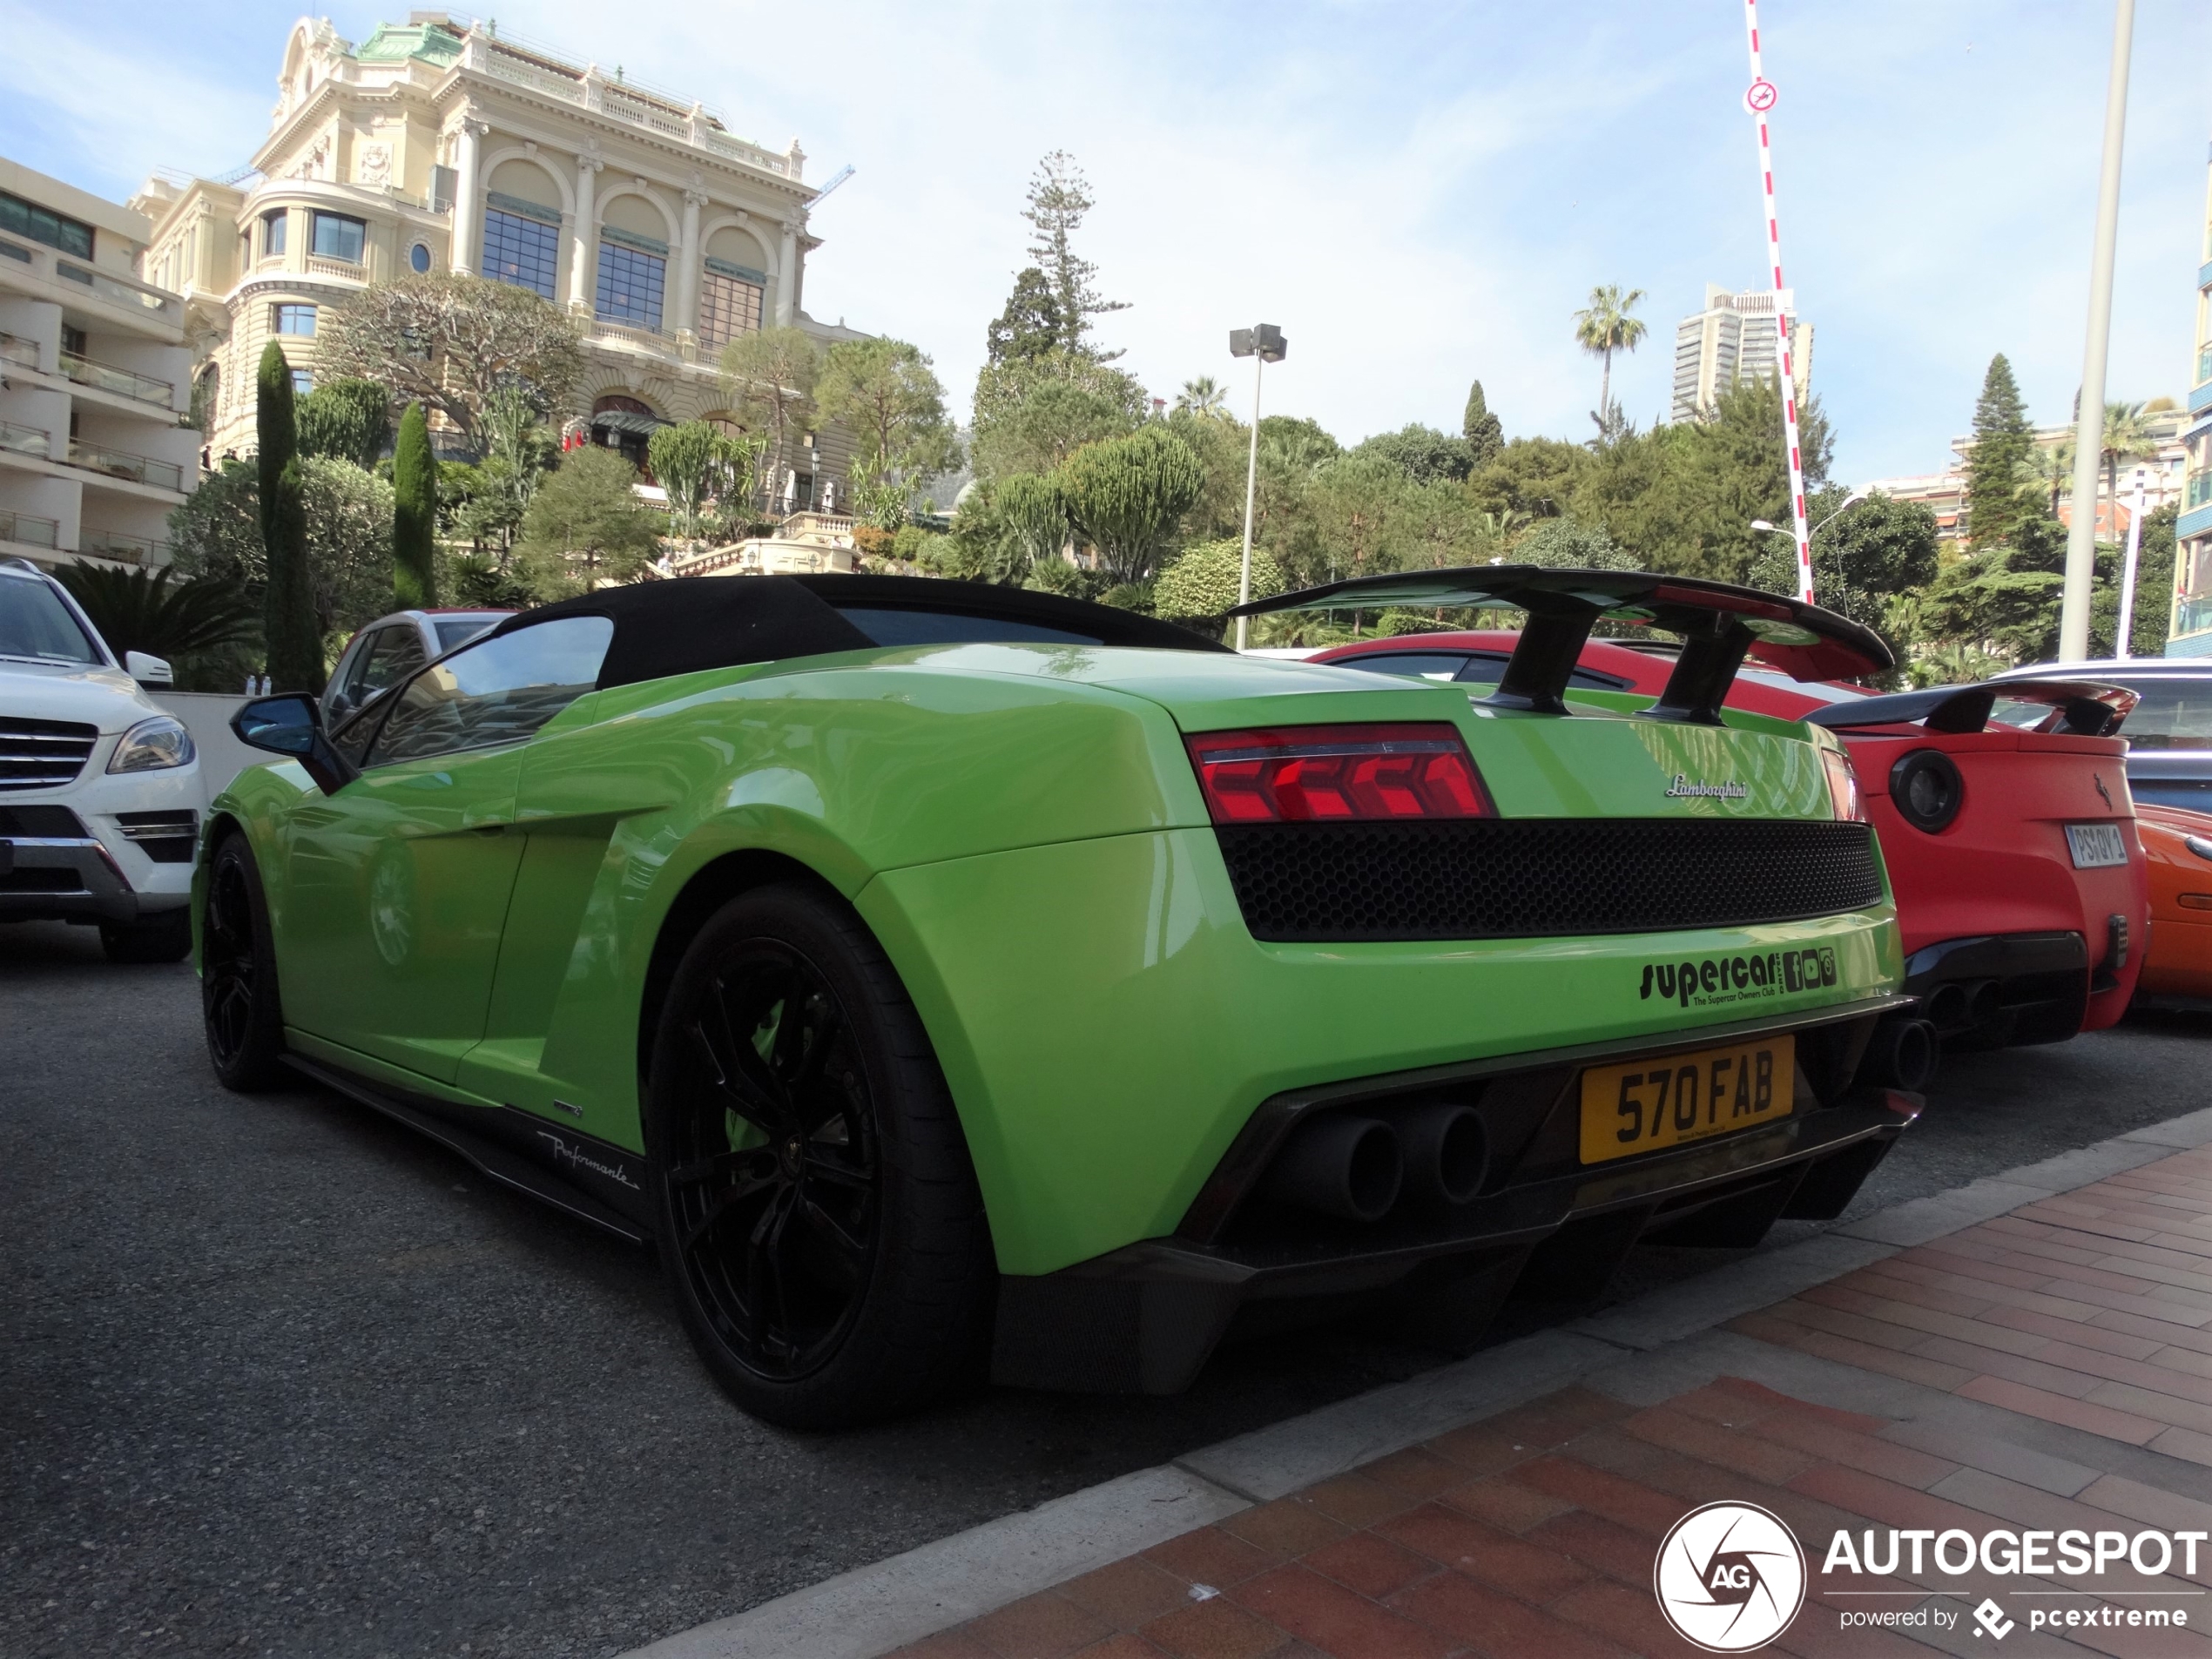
x: 819, y: 1219
x: 237, y: 993
x: 774, y: 1177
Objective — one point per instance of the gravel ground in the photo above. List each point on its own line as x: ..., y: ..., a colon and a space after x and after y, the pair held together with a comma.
x: 281, y: 1378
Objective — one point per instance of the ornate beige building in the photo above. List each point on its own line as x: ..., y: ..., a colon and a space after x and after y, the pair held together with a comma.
x: 437, y: 146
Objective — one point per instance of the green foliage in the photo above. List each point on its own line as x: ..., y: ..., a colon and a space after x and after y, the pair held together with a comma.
x: 295, y: 658
x: 1221, y: 444
x: 1422, y: 453
x: 486, y: 584
x: 1034, y: 512
x: 2153, y: 590
x: 769, y: 375
x: 1126, y: 495
x: 177, y: 617
x: 452, y: 341
x: 1561, y: 544
x: 1059, y: 198
x: 694, y: 462
x: 1604, y: 326
x: 347, y: 515
x: 886, y: 394
x: 1863, y: 563
x: 1031, y: 328
x: 1041, y: 423
x: 585, y: 526
x: 346, y: 420
x: 1204, y: 580
x: 414, y: 514
x: 1480, y: 428
x: 1531, y: 477
x: 483, y: 504
x: 1999, y: 473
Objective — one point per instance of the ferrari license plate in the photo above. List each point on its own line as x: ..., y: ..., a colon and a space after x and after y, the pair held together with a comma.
x: 2096, y: 847
x: 1643, y: 1105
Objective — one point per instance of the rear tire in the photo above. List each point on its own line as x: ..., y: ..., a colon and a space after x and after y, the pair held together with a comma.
x: 238, y: 986
x: 165, y: 936
x: 819, y: 1221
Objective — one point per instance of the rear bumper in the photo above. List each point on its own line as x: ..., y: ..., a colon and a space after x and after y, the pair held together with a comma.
x: 1146, y: 1316
x: 2033, y: 988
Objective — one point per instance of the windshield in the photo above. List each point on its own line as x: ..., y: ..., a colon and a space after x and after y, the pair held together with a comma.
x: 34, y: 623
x: 2173, y: 714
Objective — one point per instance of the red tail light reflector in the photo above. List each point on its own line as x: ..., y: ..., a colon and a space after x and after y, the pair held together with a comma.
x: 1844, y: 799
x: 1339, y: 774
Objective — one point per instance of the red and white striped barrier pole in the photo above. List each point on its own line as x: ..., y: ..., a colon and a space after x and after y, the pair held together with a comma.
x: 1759, y: 99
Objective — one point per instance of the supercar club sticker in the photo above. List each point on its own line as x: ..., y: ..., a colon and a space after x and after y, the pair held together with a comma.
x: 1730, y: 1577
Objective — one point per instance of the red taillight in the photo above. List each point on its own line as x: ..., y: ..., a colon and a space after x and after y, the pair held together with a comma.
x: 1339, y: 773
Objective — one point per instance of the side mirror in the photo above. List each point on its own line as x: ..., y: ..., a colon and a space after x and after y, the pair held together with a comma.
x: 291, y: 726
x: 148, y: 671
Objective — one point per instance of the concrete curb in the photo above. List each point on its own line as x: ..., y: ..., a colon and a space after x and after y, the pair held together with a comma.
x: 873, y: 1610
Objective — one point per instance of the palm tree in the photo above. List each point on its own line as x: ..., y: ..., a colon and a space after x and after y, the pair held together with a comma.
x: 2052, y: 465
x: 2127, y: 437
x: 1205, y: 396
x: 1604, y: 326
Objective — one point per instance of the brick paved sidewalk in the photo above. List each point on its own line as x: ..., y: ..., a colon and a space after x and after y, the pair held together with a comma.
x: 2050, y: 1368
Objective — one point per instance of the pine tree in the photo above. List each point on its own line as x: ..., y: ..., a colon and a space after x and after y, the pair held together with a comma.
x: 414, y: 515
x: 1998, y: 466
x: 1059, y: 197
x: 1484, y: 435
x: 295, y: 659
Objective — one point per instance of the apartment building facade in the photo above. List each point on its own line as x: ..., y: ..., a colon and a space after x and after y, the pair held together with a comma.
x: 94, y: 382
x: 438, y: 145
x: 1731, y: 342
x: 2191, y: 629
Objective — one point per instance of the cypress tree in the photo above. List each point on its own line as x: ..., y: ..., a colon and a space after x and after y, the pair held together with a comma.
x: 295, y: 644
x: 1484, y: 435
x: 1998, y: 465
x: 414, y: 515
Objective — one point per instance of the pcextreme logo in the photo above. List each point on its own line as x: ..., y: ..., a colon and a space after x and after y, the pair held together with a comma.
x: 1730, y: 1577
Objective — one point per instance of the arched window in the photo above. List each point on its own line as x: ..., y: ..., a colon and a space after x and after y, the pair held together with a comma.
x: 624, y: 424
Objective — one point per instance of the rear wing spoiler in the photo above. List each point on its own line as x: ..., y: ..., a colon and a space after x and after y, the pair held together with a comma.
x: 2079, y: 708
x: 1718, y: 623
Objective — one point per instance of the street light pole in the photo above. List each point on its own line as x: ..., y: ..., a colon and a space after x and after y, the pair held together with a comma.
x: 2126, y: 630
x: 2089, y: 420
x: 1263, y: 343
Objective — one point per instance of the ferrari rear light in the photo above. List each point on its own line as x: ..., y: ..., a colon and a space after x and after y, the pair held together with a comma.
x: 1339, y: 774
x: 1842, y: 787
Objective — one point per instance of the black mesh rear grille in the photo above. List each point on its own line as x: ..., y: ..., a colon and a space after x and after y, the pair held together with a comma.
x: 1536, y: 877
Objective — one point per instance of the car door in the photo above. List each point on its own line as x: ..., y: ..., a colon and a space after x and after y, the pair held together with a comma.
x: 396, y: 887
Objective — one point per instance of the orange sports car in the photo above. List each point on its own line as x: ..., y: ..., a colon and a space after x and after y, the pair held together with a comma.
x: 2178, y: 846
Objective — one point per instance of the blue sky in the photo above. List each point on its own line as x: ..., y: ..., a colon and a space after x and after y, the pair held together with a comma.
x: 1419, y: 194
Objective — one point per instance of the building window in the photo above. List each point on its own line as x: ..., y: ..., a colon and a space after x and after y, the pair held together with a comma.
x: 303, y: 381
x: 76, y: 342
x: 729, y: 306
x: 629, y: 285
x: 521, y: 251
x: 273, y: 227
x: 418, y: 260
x: 44, y: 224
x: 294, y: 319
x: 337, y: 237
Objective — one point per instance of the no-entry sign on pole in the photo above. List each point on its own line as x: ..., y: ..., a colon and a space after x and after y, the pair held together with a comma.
x: 1758, y: 99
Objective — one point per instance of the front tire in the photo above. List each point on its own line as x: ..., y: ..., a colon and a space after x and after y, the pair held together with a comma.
x: 238, y: 986
x: 819, y: 1220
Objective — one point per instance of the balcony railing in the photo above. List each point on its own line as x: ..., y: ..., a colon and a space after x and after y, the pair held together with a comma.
x: 2193, y: 615
x: 132, y: 296
x: 350, y: 270
x: 120, y: 463
x: 25, y: 440
x: 636, y: 334
x: 29, y: 530
x: 114, y: 544
x: 14, y: 348
x: 122, y: 381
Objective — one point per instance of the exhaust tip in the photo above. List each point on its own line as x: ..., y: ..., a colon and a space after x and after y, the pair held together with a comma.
x: 1447, y: 1153
x: 1983, y: 1005
x: 1946, y: 1006
x: 1347, y: 1167
x: 1903, y: 1054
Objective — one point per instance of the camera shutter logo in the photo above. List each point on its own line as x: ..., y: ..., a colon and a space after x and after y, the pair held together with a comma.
x: 1730, y: 1577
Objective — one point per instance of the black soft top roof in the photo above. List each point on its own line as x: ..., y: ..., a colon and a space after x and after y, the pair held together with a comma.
x: 689, y: 623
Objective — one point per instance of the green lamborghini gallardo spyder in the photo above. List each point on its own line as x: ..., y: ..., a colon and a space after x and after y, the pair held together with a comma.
x: 955, y: 982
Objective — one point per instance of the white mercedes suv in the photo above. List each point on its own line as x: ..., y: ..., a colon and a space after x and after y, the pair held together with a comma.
x: 100, y: 790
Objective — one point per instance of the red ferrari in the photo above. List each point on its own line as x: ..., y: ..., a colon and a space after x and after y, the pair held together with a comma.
x: 2011, y: 841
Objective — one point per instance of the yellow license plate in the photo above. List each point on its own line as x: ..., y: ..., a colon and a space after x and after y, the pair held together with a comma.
x: 1643, y: 1105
